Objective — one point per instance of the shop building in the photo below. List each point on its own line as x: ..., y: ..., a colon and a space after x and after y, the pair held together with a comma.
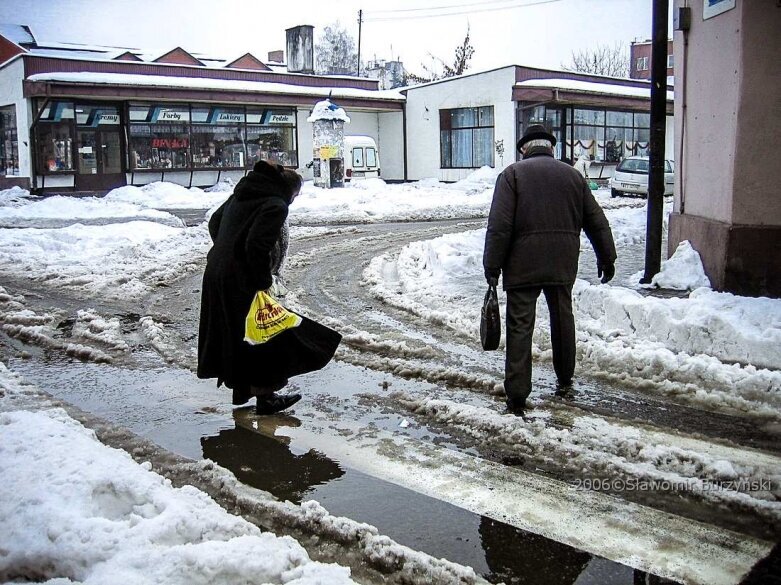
x: 77, y: 118
x: 459, y: 124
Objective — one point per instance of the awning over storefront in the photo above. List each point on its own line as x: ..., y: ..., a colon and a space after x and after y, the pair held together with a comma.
x: 157, y: 87
x: 585, y: 93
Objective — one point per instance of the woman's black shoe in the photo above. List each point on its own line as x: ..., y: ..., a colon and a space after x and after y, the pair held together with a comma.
x: 275, y: 403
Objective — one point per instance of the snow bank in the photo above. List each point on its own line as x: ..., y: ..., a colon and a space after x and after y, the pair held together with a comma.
x: 115, y: 260
x: 373, y: 200
x: 733, y: 329
x: 682, y: 271
x: 171, y: 196
x: 59, y: 211
x: 14, y: 197
x: 74, y: 509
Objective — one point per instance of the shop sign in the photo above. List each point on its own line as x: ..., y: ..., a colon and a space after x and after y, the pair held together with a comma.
x: 228, y: 118
x: 93, y: 117
x: 168, y: 115
x: 108, y: 119
x: 271, y: 118
x: 170, y: 143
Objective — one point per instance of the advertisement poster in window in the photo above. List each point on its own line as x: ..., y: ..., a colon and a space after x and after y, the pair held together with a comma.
x: 711, y: 8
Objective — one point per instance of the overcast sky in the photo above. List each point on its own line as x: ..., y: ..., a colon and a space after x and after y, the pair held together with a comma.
x: 540, y: 33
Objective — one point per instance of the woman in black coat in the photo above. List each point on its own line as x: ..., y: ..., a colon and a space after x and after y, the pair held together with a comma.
x: 245, y: 230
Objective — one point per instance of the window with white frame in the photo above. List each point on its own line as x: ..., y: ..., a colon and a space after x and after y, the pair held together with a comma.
x: 669, y: 61
x: 466, y: 137
x: 642, y: 63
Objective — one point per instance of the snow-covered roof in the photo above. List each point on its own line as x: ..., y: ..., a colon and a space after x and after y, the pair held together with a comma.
x: 590, y: 87
x: 325, y: 110
x: 133, y: 80
x: 16, y: 33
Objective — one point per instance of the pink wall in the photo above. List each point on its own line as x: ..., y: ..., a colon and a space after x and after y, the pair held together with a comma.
x: 757, y: 176
x: 707, y: 85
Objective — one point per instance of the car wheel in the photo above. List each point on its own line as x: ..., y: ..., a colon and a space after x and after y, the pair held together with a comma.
x: 614, y: 192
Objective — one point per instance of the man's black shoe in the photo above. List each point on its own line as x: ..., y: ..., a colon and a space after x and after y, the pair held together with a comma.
x: 564, y: 389
x: 517, y: 407
x: 275, y: 403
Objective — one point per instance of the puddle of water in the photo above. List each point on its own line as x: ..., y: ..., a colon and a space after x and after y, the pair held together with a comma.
x: 189, y: 416
x: 265, y: 459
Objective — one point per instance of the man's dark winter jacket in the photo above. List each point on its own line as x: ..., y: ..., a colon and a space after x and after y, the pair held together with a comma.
x: 539, y: 207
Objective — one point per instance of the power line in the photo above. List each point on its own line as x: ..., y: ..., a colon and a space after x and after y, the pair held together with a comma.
x: 470, y: 11
x: 419, y: 9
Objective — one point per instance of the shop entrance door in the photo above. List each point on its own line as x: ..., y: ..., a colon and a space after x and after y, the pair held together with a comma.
x: 99, y: 160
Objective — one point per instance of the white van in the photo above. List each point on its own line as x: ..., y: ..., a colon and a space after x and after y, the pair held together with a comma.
x: 361, y: 158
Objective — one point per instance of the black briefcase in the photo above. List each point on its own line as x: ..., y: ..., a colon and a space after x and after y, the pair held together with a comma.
x: 490, y: 323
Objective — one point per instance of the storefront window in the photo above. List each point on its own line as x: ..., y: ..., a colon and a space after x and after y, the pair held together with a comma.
x: 271, y: 136
x: 9, y: 143
x: 548, y: 117
x: 54, y: 137
x: 606, y: 135
x: 467, y: 137
x: 159, y: 137
x: 218, y: 137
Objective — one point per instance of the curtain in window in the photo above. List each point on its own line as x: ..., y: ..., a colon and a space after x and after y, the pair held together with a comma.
x: 484, y: 147
x: 462, y: 148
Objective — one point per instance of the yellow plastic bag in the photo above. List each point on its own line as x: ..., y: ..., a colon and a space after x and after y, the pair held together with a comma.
x: 266, y: 319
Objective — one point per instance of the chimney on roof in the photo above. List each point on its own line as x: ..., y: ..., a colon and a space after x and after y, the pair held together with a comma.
x: 276, y: 56
x: 300, y: 49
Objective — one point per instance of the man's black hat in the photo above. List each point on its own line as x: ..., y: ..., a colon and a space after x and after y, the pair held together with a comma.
x: 536, y: 132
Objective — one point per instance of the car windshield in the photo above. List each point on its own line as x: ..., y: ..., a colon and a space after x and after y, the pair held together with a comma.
x: 633, y: 165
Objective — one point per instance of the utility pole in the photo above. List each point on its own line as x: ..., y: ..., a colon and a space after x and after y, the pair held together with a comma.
x: 653, y: 238
x: 360, y: 22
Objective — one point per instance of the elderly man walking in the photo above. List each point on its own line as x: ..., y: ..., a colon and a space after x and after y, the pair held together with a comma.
x: 539, y: 207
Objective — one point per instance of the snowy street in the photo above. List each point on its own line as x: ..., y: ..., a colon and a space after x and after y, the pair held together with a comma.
x: 399, y: 465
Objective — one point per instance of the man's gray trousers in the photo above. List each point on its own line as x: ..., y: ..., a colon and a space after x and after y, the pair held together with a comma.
x: 521, y: 313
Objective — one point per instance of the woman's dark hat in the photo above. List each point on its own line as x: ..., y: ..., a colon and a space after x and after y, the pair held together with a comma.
x: 536, y: 132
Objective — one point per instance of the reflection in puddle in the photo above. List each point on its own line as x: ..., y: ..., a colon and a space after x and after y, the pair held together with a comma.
x: 259, y: 459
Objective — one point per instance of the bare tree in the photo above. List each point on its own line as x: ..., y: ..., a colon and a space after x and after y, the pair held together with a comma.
x: 601, y: 60
x: 335, y: 52
x: 441, y: 70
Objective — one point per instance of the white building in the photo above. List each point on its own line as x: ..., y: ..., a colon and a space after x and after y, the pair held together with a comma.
x: 458, y: 124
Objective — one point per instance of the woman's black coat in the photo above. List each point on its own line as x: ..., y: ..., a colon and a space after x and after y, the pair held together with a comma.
x: 245, y: 231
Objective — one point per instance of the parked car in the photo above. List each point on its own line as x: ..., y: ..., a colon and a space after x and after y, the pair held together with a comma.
x: 361, y: 158
x: 631, y: 177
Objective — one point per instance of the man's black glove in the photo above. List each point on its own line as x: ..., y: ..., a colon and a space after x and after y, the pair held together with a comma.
x: 492, y: 277
x: 606, y: 271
